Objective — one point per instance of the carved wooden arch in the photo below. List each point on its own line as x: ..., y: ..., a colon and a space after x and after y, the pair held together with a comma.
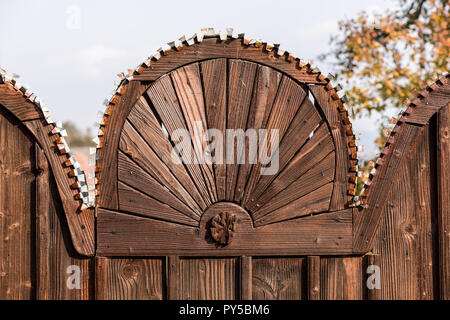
x: 145, y: 199
x: 28, y: 109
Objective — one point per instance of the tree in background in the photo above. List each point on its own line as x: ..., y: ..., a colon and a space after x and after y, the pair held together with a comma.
x: 381, y: 59
x: 77, y: 138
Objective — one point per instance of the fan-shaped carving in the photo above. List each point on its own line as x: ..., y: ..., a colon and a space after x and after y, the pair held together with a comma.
x: 225, y: 94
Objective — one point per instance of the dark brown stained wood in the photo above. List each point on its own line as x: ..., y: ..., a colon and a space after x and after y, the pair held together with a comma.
x: 134, y: 176
x: 278, y: 278
x: 312, y: 203
x: 172, y: 277
x: 245, y: 278
x: 144, y: 123
x: 17, y: 206
x: 241, y: 77
x: 316, y: 149
x: 330, y: 110
x: 81, y: 224
x: 366, y: 224
x: 289, y: 98
x: 129, y: 279
x: 340, y: 278
x: 188, y: 86
x: 305, y: 122
x: 214, y: 75
x: 443, y: 178
x: 284, y: 194
x: 371, y: 260
x: 209, y: 278
x: 108, y: 154
x: 212, y: 48
x: 313, y: 273
x: 132, y: 144
x: 404, y: 240
x: 131, y: 200
x: 264, y: 93
x: 56, y: 259
x: 427, y: 107
x: 165, y: 100
x: 120, y: 234
x: 17, y: 104
x: 43, y: 278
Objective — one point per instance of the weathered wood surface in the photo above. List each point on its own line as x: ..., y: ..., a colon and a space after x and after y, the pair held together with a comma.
x: 246, y: 278
x: 15, y: 103
x: 17, y: 210
x: 443, y: 187
x: 341, y: 278
x: 129, y: 279
x: 278, y: 278
x: 212, y: 48
x: 320, y: 234
x: 313, y: 274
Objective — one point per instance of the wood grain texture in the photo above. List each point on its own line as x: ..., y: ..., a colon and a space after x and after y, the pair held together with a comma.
x: 443, y: 178
x: 107, y: 156
x: 246, y: 278
x: 278, y: 278
x: 212, y: 48
x: 369, y: 261
x: 132, y: 144
x: 129, y: 279
x: 366, y: 223
x: 214, y: 76
x: 313, y: 274
x: 17, y: 104
x: 134, y: 176
x: 404, y: 240
x: 17, y: 209
x: 81, y: 224
x: 121, y: 234
x: 330, y: 109
x: 56, y: 257
x: 208, y: 278
x: 264, y: 92
x: 189, y: 89
x: 241, y: 78
x: 341, y: 278
x: 173, y: 277
x: 304, y: 123
x: 165, y: 100
x: 289, y: 98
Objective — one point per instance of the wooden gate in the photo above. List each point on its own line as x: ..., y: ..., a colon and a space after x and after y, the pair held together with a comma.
x: 284, y: 224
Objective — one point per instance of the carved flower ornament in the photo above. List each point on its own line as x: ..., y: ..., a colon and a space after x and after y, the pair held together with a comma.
x: 222, y: 227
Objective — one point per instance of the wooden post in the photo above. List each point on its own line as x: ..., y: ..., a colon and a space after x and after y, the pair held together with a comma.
x: 245, y: 275
x: 443, y: 176
x: 313, y: 265
x: 172, y: 277
x: 372, y: 265
x: 100, y: 278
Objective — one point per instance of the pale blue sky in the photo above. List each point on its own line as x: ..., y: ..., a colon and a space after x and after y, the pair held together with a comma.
x: 73, y: 70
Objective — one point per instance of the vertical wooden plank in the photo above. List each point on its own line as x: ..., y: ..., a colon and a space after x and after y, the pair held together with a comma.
x: 173, y: 278
x: 17, y: 265
x: 404, y: 241
x: 313, y: 265
x: 264, y: 93
x: 208, y: 279
x: 129, y: 279
x: 372, y: 263
x: 245, y: 273
x: 240, y: 87
x: 340, y: 278
x: 277, y: 278
x: 443, y: 176
x: 43, y: 261
x: 214, y: 75
x: 188, y: 86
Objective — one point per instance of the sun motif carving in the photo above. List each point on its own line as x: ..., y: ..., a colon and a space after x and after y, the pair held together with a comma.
x: 222, y: 227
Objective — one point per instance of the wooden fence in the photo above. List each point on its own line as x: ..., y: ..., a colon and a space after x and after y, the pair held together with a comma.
x: 162, y: 230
